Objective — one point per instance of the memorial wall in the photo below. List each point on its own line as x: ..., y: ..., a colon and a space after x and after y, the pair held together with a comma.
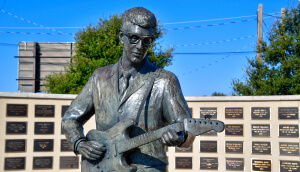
x: 261, y: 134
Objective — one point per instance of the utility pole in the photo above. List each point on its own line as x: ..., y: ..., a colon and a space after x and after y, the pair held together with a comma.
x: 259, y: 30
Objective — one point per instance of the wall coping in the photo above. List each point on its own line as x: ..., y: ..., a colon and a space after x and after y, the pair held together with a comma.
x: 188, y: 98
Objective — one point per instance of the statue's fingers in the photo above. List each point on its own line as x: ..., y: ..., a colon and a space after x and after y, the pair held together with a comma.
x: 97, y: 152
x: 167, y: 139
x: 94, y: 156
x: 85, y: 154
x: 99, y: 146
x: 173, y: 137
x: 163, y: 140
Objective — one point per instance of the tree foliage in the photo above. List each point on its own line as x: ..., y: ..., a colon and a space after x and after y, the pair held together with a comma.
x: 98, y: 46
x: 218, y: 94
x: 278, y: 73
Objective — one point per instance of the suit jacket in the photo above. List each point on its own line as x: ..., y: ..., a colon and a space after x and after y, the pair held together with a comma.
x: 164, y: 105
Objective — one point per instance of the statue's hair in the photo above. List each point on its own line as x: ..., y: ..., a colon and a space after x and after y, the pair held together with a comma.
x: 139, y: 16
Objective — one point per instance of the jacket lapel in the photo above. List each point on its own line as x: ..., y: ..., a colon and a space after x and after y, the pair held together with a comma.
x: 139, y: 80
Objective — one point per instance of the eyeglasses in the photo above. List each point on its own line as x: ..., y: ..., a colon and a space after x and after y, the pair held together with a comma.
x: 134, y: 39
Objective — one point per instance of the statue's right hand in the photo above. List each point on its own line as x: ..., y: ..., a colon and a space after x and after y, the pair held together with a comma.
x: 91, y: 150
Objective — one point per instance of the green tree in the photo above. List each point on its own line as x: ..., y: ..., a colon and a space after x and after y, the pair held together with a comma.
x: 98, y: 46
x: 278, y: 73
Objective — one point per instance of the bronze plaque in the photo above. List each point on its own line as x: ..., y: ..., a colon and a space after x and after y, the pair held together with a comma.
x: 236, y: 164
x: 44, y: 128
x: 210, y: 133
x: 16, y: 110
x: 209, y: 111
x: 234, y: 146
x: 68, y: 162
x: 288, y: 131
x: 261, y: 165
x: 260, y: 130
x: 234, y: 113
x: 289, y: 148
x: 183, y: 163
x: 209, y: 163
x: 189, y: 149
x: 43, y: 145
x: 16, y: 163
x: 43, y: 162
x: 289, y: 166
x: 64, y: 108
x: 234, y: 130
x: 65, y: 146
x: 288, y: 113
x: 44, y: 110
x: 18, y: 145
x: 261, y: 147
x: 209, y: 146
x: 260, y: 113
x: 16, y: 128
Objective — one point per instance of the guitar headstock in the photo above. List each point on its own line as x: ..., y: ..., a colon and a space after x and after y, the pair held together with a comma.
x: 200, y: 126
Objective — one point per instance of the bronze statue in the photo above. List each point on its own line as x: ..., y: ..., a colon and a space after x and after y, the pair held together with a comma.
x: 130, y: 99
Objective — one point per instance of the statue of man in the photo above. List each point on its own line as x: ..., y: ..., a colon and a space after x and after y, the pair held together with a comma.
x: 115, y: 93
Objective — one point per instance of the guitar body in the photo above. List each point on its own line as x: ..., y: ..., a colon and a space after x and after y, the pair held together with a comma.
x: 112, y: 160
x: 118, y: 142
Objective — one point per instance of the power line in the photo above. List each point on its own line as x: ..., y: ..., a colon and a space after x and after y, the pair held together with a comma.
x: 28, y: 21
x: 194, y: 27
x: 197, y: 21
x: 33, y: 33
x: 41, y: 28
x: 207, y: 43
x: 223, y: 58
x: 215, y: 53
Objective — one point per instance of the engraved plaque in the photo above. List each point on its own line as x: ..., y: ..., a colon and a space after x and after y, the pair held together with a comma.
x: 209, y: 163
x: 234, y: 146
x: 68, y: 162
x: 44, y: 128
x: 288, y: 131
x: 44, y: 110
x: 189, y: 149
x: 234, y: 130
x: 65, y: 146
x: 234, y: 113
x: 260, y: 113
x: 261, y: 165
x: 16, y: 163
x: 63, y: 110
x: 209, y: 146
x: 42, y: 162
x: 289, y: 166
x: 16, y: 110
x: 208, y: 111
x: 16, y: 128
x: 18, y: 145
x: 261, y: 147
x: 262, y: 130
x: 43, y: 145
x: 289, y: 148
x: 288, y: 113
x: 210, y: 133
x: 236, y: 164
x: 183, y: 162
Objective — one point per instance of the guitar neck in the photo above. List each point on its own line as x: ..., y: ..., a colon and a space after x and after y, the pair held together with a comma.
x: 146, y: 138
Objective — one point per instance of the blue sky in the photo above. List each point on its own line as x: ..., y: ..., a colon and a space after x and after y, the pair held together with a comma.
x: 198, y: 74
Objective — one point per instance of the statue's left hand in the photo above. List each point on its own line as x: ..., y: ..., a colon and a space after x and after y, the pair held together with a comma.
x: 91, y: 150
x: 172, y: 138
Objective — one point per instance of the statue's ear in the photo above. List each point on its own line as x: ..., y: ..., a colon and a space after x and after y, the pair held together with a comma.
x: 121, y: 36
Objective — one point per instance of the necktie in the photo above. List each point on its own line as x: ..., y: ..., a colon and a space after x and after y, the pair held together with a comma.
x: 124, y: 83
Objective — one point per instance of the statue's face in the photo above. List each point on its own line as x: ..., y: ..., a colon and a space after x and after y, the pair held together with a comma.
x: 136, y: 42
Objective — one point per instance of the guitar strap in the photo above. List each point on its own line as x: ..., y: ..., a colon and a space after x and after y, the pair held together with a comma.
x: 149, y: 86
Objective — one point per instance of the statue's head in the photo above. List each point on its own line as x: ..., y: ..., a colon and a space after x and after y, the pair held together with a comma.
x: 137, y: 33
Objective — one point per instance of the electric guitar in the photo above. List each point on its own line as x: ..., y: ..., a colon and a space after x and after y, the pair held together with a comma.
x: 118, y: 142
